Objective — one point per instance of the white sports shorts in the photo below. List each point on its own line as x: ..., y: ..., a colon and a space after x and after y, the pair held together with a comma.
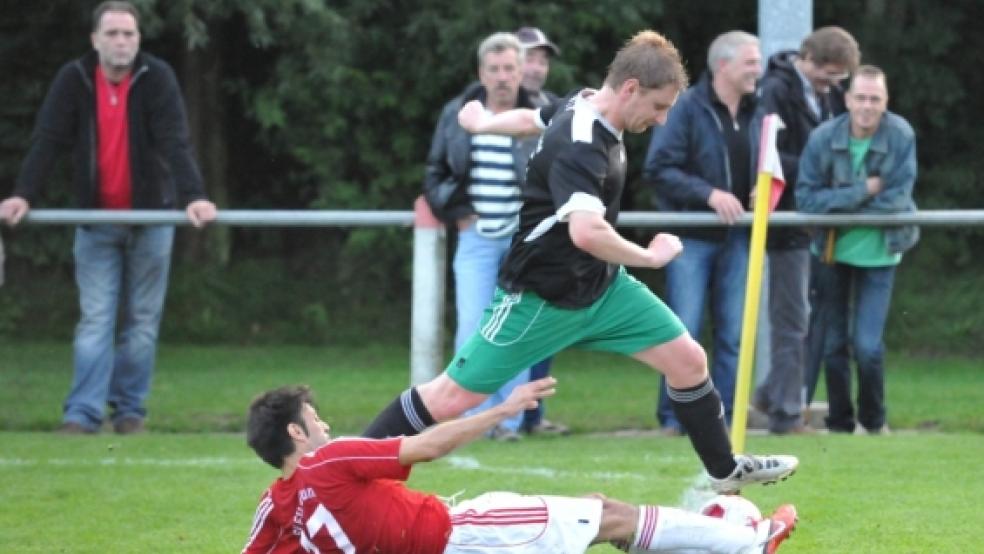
x: 509, y: 523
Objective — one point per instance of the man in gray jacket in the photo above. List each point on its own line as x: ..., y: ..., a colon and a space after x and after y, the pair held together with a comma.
x: 863, y: 161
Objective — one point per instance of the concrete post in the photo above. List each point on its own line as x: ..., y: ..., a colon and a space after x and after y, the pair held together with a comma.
x: 427, y: 310
x: 783, y: 24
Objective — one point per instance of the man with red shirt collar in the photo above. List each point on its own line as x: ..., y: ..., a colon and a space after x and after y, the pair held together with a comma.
x: 347, y: 495
x: 121, y: 114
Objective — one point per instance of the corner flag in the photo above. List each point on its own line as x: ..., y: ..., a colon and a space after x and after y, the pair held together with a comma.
x: 769, y: 175
x: 768, y: 161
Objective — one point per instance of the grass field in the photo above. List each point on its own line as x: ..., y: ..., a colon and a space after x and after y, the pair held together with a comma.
x: 191, y: 485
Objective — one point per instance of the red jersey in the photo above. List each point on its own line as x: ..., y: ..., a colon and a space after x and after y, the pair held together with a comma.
x: 348, y: 497
x: 115, y: 191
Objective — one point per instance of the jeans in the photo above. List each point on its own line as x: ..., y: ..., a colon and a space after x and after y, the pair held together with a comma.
x: 120, y: 270
x: 533, y: 417
x: 782, y: 391
x: 856, y: 300
x: 476, y: 270
x: 718, y: 268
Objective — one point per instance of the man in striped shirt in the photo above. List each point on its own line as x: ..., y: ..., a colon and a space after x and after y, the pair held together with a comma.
x: 347, y: 495
x: 486, y: 172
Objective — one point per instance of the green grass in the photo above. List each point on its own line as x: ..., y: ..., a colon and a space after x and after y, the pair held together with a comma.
x: 191, y: 486
x: 908, y: 493
x: 199, y: 388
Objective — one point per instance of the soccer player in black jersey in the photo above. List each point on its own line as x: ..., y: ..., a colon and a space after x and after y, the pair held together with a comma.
x: 563, y: 283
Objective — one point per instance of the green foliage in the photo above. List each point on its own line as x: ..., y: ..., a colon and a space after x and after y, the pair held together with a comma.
x: 331, y: 105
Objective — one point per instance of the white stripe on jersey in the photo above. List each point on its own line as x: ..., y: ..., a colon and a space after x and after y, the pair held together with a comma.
x: 580, y: 201
x: 259, y: 518
x: 585, y: 114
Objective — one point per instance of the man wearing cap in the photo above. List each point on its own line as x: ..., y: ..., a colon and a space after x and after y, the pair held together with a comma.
x: 536, y: 67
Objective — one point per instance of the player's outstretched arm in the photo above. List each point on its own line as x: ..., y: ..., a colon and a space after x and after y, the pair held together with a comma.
x: 590, y: 232
x: 443, y: 438
x: 519, y: 122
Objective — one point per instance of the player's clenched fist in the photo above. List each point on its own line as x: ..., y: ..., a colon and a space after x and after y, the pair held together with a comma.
x: 664, y: 247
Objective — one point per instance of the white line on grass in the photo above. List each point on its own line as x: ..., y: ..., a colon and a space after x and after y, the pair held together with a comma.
x: 112, y: 461
x: 468, y: 463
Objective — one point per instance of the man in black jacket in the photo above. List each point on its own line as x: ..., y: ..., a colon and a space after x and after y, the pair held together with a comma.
x: 804, y: 89
x: 485, y: 173
x: 120, y: 113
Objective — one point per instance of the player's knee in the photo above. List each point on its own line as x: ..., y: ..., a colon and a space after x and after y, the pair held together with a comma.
x: 446, y: 399
x: 690, y: 363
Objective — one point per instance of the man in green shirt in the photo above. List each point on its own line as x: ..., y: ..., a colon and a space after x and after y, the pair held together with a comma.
x: 861, y: 162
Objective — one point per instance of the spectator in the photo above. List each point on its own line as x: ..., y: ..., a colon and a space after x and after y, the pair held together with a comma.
x: 120, y: 112
x: 803, y: 88
x: 701, y: 160
x: 486, y: 172
x: 347, y: 495
x: 863, y: 161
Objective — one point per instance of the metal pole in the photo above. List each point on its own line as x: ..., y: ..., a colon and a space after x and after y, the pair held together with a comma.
x: 427, y: 311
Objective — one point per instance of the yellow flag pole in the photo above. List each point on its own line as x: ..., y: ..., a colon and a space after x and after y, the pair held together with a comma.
x: 753, y: 290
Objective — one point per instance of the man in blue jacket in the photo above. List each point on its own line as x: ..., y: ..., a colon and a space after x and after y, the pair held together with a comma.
x: 863, y: 161
x: 120, y: 113
x: 701, y: 160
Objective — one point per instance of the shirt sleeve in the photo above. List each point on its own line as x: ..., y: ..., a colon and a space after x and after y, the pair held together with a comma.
x: 266, y: 531
x: 359, y: 459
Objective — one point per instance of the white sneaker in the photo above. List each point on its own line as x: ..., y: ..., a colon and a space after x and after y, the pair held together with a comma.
x: 755, y: 469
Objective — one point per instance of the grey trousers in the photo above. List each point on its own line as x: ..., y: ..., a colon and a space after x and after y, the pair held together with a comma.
x: 781, y: 393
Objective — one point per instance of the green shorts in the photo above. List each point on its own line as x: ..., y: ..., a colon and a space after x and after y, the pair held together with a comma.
x: 520, y: 329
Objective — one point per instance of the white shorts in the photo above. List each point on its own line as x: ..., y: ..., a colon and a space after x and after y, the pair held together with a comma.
x: 509, y: 523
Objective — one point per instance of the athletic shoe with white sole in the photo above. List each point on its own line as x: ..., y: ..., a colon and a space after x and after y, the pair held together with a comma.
x: 755, y: 469
x: 781, y: 524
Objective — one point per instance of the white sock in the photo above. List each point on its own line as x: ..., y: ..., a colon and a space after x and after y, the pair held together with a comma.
x: 672, y: 529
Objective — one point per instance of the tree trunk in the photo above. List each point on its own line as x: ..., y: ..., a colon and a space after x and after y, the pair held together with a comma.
x: 201, y: 78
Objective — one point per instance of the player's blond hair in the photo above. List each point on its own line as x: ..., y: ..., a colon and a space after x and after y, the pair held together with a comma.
x: 651, y: 59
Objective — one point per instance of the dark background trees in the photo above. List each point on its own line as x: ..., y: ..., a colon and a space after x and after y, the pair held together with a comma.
x: 310, y: 104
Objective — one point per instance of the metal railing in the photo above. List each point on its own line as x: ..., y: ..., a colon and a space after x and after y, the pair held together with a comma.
x: 405, y: 218
x: 430, y: 250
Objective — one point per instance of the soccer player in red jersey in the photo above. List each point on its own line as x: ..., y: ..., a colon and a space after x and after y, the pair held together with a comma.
x: 347, y: 495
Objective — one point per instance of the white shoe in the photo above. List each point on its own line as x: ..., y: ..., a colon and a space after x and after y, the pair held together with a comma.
x: 755, y: 469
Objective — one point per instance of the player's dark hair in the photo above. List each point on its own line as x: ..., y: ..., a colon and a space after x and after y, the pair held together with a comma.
x: 113, y: 6
x: 651, y: 59
x: 266, y: 423
x: 831, y: 45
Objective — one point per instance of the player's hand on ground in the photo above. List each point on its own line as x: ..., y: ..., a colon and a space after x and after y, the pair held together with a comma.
x: 527, y: 396
x: 471, y: 115
x: 13, y: 209
x: 726, y: 205
x: 200, y: 212
x: 664, y: 247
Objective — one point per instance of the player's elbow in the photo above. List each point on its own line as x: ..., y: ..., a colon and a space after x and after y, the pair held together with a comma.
x: 585, y: 233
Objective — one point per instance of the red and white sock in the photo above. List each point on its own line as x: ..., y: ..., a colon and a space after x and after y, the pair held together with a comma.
x: 661, y: 528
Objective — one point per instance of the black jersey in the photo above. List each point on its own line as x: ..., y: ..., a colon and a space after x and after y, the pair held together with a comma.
x: 579, y: 164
